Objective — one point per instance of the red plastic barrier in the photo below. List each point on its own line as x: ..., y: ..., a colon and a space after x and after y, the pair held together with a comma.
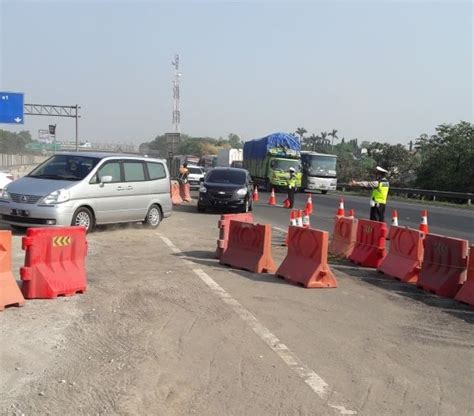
x: 10, y: 293
x: 466, y: 293
x: 369, y: 249
x: 405, y: 254
x: 306, y: 262
x: 224, y: 224
x: 54, y: 262
x: 175, y: 193
x: 185, y: 192
x: 249, y: 247
x: 444, y: 265
x: 343, y: 236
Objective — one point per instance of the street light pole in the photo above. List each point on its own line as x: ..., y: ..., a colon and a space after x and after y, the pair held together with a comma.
x: 77, y: 128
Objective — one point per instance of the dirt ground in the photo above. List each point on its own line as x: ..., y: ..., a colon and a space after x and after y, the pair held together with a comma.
x: 150, y: 337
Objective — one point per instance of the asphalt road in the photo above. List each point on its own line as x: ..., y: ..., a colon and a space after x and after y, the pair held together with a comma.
x: 449, y: 221
x: 163, y: 329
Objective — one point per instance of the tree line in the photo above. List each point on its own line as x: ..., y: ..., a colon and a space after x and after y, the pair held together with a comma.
x: 14, y: 143
x: 188, y: 145
x: 443, y: 161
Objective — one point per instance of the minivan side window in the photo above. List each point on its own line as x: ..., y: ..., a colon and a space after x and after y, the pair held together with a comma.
x: 108, y: 169
x: 156, y: 170
x: 134, y: 171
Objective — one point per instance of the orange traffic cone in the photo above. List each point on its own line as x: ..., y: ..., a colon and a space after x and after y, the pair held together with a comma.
x: 293, y: 218
x: 309, y: 205
x: 292, y: 224
x: 272, y: 199
x: 299, y: 218
x: 340, y: 210
x: 395, y: 218
x: 424, y: 222
x: 351, y: 213
x: 286, y: 203
x: 306, y: 219
x: 255, y: 196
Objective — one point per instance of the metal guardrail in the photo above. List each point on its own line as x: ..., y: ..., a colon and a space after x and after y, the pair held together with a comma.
x: 8, y: 161
x: 469, y: 197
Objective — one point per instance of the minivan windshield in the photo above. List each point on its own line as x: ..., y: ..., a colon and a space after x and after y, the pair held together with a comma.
x: 236, y: 177
x: 65, y: 167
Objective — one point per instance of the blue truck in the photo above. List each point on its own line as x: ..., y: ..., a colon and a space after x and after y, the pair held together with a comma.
x: 268, y: 159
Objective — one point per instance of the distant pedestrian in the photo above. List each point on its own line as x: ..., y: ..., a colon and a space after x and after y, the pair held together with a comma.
x: 291, y: 184
x: 378, y: 199
x: 184, y: 188
x: 183, y: 174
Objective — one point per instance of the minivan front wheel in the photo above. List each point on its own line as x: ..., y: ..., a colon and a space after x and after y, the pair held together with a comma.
x: 153, y: 218
x: 83, y: 218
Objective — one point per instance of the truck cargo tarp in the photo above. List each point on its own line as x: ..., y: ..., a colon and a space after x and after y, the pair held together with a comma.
x: 259, y: 148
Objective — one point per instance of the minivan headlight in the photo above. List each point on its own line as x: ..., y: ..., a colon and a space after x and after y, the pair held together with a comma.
x: 5, y: 194
x: 242, y: 192
x: 56, y: 197
x: 203, y: 189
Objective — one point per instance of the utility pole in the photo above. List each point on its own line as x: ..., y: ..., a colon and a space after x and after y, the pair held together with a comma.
x: 176, y: 111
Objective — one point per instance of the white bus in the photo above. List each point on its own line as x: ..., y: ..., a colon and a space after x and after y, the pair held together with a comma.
x: 319, y: 172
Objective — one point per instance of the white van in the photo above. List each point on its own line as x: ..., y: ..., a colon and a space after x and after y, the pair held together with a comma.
x: 86, y: 189
x: 196, y: 174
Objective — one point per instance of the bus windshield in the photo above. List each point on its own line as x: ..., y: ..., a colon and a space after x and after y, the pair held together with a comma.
x: 285, y: 164
x: 318, y: 165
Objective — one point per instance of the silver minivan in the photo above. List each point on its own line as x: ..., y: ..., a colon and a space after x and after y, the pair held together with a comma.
x: 86, y: 189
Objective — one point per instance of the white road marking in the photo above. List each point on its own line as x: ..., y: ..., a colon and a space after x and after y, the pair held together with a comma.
x: 280, y: 229
x: 313, y: 380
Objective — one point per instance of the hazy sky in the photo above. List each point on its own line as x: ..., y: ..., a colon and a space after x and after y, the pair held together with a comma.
x: 381, y: 70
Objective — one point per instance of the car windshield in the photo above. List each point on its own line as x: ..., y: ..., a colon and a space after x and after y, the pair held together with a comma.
x: 236, y: 177
x: 195, y: 171
x: 285, y: 164
x: 65, y: 167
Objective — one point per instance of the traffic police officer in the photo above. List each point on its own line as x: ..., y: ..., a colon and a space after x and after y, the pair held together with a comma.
x: 291, y: 183
x: 378, y: 199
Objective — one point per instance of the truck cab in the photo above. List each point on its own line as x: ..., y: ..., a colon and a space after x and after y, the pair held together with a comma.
x: 278, y: 171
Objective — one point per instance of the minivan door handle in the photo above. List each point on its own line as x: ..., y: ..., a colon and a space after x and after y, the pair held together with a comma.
x: 129, y: 188
x: 120, y: 188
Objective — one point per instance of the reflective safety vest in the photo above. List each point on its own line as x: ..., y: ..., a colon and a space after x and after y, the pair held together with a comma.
x: 292, y: 182
x: 379, y: 194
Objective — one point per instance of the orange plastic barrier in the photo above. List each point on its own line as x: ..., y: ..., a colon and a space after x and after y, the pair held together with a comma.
x: 466, y: 293
x: 175, y: 194
x: 224, y: 224
x: 249, y: 247
x: 405, y: 254
x: 306, y: 262
x: 185, y: 192
x: 444, y: 267
x: 10, y: 294
x: 369, y: 249
x: 343, y: 236
x: 54, y: 262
